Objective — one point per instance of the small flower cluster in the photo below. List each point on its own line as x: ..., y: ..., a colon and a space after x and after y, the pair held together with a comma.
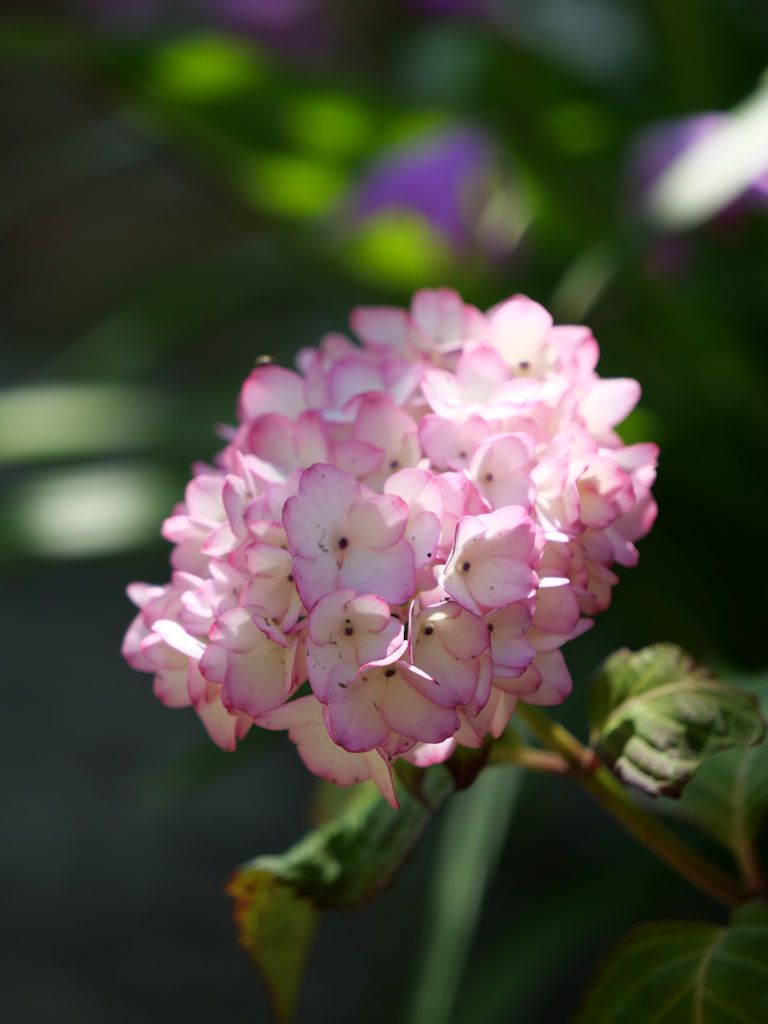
x: 413, y: 526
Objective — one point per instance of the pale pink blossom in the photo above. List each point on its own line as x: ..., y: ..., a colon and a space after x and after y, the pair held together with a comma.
x: 341, y: 536
x: 493, y: 559
x: 347, y: 632
x: 417, y: 526
x: 251, y: 659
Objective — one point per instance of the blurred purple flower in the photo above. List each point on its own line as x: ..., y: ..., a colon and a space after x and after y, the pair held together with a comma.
x: 658, y: 147
x: 301, y: 26
x: 446, y: 179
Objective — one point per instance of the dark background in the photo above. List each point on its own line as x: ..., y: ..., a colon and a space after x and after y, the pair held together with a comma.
x: 187, y: 186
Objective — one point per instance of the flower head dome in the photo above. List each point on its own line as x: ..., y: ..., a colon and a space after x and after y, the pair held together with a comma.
x: 414, y: 525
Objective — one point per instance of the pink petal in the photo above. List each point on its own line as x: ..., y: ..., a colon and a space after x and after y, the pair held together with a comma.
x: 255, y: 682
x: 220, y: 725
x: 382, y: 326
x: 377, y: 523
x: 407, y: 711
x: 271, y: 389
x: 178, y: 638
x: 423, y: 755
x: 519, y: 328
x: 354, y: 717
x: 314, y: 519
x: 556, y: 683
x: 389, y: 574
x: 327, y: 615
x: 315, y: 577
x: 609, y: 402
x: 557, y: 610
x: 170, y: 687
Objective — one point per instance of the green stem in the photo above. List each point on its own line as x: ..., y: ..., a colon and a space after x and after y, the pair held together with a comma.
x: 608, y: 791
x: 517, y: 753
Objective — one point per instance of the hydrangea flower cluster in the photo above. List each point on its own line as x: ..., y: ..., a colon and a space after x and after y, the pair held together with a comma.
x: 413, y: 527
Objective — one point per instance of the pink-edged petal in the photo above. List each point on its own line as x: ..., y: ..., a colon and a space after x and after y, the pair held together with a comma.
x: 315, y: 577
x: 500, y: 580
x: 271, y: 389
x: 358, y: 458
x: 235, y: 630
x: 409, y: 712
x: 484, y: 686
x: 556, y: 683
x: 423, y: 755
x: 354, y: 716
x: 381, y: 776
x: 557, y: 610
x: 451, y: 445
x: 442, y: 315
x: 327, y: 615
x: 377, y: 523
x: 170, y: 687
x: 390, y: 573
x: 328, y: 665
x: 382, y: 326
x: 451, y: 682
x: 259, y: 679
x: 303, y: 718
x: 381, y: 647
x: 178, y: 638
x: 423, y: 534
x: 519, y: 328
x: 315, y: 517
x: 351, y: 376
x: 220, y: 725
x: 608, y: 402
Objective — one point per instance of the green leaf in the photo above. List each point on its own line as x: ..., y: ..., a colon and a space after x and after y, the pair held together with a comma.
x: 471, y: 841
x: 656, y: 715
x: 342, y: 864
x: 275, y: 926
x: 686, y: 973
x: 728, y: 797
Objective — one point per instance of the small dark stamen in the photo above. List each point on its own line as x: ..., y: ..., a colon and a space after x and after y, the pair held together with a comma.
x: 488, y: 477
x: 394, y: 464
x: 290, y: 578
x: 524, y: 365
x: 389, y: 673
x: 465, y: 567
x: 343, y: 543
x: 429, y: 554
x: 462, y: 455
x: 348, y: 631
x: 490, y: 627
x: 429, y: 631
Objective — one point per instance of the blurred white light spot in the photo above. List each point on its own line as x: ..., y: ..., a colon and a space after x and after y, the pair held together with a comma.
x: 89, y: 510
x: 716, y: 170
x: 56, y: 420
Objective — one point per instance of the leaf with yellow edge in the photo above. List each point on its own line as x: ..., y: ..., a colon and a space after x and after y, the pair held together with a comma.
x: 342, y: 864
x: 275, y: 926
